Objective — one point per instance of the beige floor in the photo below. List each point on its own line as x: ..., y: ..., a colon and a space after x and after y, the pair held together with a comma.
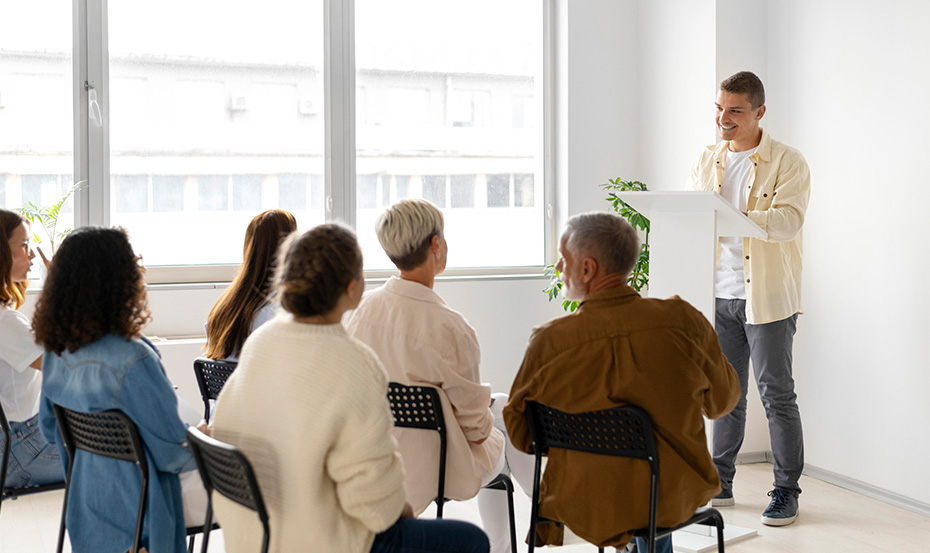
x: 831, y: 520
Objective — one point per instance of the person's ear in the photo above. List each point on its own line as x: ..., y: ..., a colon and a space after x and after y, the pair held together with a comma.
x: 434, y: 245
x: 588, y: 269
x: 761, y: 112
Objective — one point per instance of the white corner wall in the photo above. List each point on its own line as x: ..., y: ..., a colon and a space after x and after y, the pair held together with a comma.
x: 676, y: 84
x: 849, y: 82
x: 596, y: 100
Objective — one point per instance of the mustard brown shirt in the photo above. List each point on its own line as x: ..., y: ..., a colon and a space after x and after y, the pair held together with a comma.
x: 621, y: 349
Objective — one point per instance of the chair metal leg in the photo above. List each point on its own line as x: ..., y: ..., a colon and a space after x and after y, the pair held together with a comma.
x: 207, y: 525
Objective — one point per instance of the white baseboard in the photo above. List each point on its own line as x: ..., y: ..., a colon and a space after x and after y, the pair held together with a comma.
x: 750, y: 457
x: 868, y: 490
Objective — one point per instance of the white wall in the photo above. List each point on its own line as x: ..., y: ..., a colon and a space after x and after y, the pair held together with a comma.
x: 596, y: 103
x: 849, y: 82
x: 676, y: 88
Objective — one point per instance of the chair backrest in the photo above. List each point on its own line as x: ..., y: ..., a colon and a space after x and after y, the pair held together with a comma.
x: 620, y: 431
x: 5, y: 456
x: 420, y: 407
x: 110, y: 434
x: 225, y: 469
x: 211, y: 377
x: 624, y: 431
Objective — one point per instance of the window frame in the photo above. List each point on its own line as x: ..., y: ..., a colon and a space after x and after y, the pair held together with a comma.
x: 92, y: 142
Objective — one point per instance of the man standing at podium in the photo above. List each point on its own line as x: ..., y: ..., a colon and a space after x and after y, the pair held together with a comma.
x: 758, y: 283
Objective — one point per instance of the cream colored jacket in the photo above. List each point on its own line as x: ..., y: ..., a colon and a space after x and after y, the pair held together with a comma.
x: 308, y: 407
x: 421, y: 340
x: 780, y: 190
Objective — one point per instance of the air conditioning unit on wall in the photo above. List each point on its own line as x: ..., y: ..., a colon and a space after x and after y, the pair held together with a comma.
x: 238, y: 102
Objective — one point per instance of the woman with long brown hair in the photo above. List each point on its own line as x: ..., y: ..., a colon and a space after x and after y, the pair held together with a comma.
x: 89, y: 318
x: 246, y: 304
x: 33, y: 461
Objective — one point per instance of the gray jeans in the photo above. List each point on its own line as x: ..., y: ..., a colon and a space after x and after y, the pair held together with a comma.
x: 770, y: 348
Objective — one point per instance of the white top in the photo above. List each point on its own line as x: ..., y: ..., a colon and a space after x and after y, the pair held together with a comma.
x: 20, y: 384
x: 421, y: 340
x: 308, y: 407
x: 730, y: 282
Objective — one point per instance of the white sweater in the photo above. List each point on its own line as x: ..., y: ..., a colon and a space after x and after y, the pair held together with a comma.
x: 307, y: 406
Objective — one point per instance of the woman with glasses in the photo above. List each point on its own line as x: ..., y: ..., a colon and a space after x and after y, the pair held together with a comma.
x: 33, y: 461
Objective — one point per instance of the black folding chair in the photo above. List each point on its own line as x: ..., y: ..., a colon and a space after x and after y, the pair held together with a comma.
x: 109, y: 434
x: 225, y: 469
x: 619, y: 432
x: 13, y: 493
x: 420, y: 407
x: 211, y: 377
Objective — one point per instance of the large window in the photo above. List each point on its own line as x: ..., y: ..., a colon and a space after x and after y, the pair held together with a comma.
x: 214, y: 116
x: 448, y: 94
x: 36, y: 113
x: 189, y: 118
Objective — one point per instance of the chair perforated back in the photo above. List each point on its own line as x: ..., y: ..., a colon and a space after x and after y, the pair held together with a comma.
x: 211, y: 377
x: 624, y: 431
x: 225, y: 469
x: 13, y: 493
x: 420, y: 407
x: 621, y: 431
x: 109, y: 434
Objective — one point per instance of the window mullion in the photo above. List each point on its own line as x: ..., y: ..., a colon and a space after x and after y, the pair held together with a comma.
x: 91, y: 147
x: 339, y: 104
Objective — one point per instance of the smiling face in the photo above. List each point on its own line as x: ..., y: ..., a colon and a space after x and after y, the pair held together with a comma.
x: 21, y: 252
x: 738, y: 121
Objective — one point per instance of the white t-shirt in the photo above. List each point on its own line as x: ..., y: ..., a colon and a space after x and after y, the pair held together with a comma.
x: 20, y: 384
x: 729, y: 276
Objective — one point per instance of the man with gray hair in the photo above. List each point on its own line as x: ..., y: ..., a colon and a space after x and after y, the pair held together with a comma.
x: 422, y: 341
x: 621, y: 349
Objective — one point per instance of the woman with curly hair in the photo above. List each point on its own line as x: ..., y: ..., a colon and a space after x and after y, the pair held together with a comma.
x: 334, y: 480
x: 89, y: 318
x: 246, y: 304
x: 33, y: 461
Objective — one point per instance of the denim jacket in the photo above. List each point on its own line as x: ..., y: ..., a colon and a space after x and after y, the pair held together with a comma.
x: 103, y: 501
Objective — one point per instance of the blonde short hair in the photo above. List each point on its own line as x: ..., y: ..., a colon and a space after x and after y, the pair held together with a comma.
x: 406, y: 231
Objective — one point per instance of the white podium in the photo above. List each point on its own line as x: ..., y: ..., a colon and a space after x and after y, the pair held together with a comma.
x: 683, y: 232
x: 684, y: 227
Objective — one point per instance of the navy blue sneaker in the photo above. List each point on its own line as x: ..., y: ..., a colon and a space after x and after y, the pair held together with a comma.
x: 723, y: 499
x: 783, y: 510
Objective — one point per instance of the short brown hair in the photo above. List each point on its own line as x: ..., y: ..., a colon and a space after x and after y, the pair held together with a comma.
x: 94, y: 287
x: 11, y: 293
x: 745, y: 82
x: 314, y: 269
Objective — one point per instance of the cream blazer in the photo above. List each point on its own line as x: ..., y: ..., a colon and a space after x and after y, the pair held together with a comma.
x: 421, y: 340
x: 780, y: 184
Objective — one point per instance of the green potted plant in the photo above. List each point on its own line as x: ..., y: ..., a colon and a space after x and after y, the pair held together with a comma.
x: 47, y: 217
x: 639, y: 278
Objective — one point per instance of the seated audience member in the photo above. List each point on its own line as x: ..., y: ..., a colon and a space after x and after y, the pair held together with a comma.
x: 620, y: 349
x: 334, y: 481
x: 246, y: 304
x: 421, y: 340
x: 89, y: 318
x: 33, y: 461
